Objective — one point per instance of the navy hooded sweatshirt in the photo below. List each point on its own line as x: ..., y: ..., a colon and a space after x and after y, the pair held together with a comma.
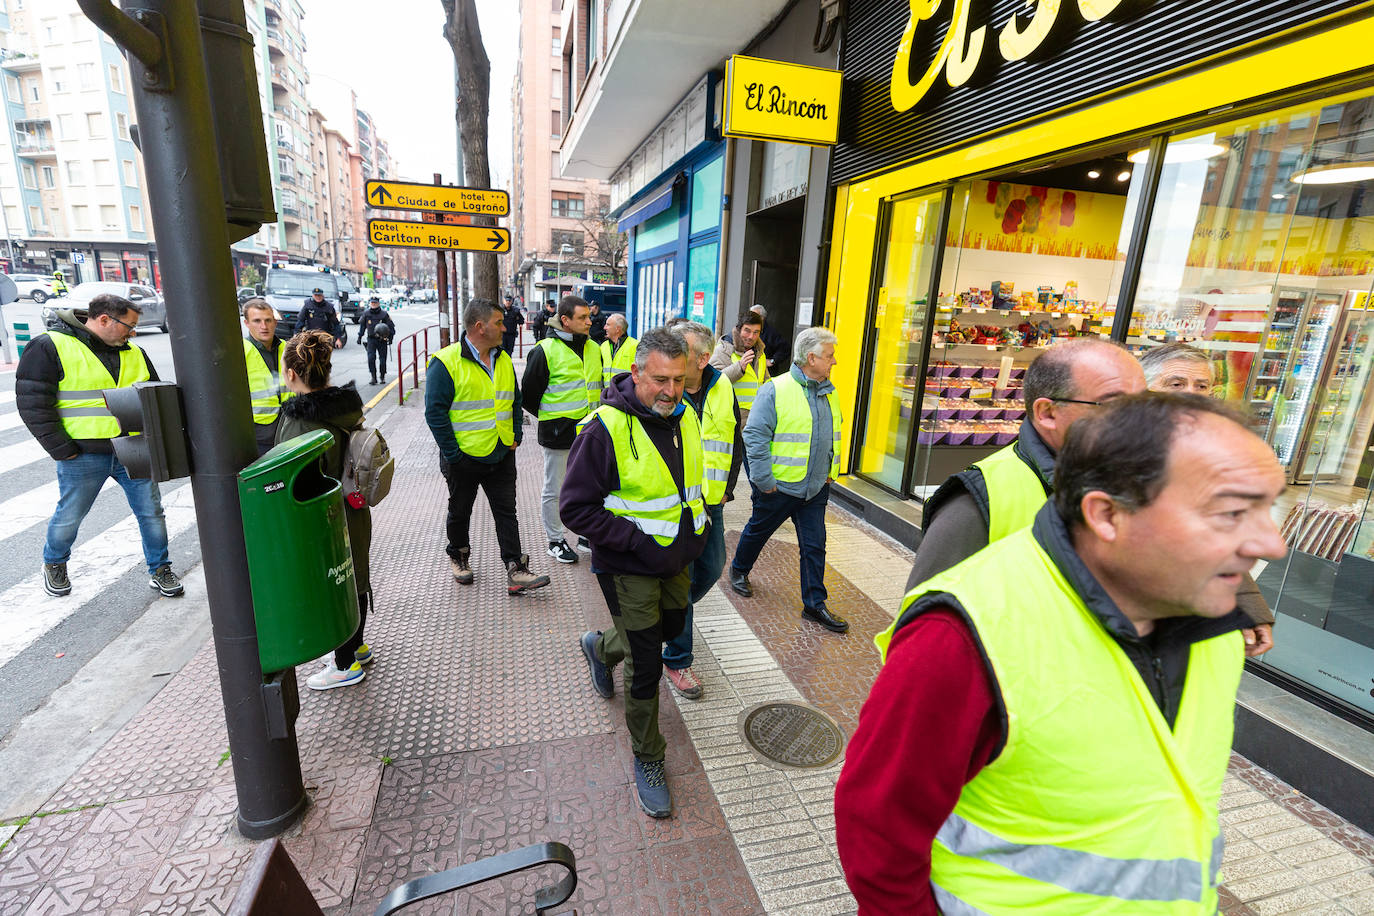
x: 618, y: 547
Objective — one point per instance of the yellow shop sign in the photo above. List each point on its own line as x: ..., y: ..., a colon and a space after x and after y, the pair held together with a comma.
x: 771, y: 100
x: 961, y: 51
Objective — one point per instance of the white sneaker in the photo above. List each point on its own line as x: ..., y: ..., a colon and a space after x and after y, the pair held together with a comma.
x: 329, y: 677
x: 561, y: 552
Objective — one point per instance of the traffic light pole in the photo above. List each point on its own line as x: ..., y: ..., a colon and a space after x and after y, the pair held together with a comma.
x: 177, y: 138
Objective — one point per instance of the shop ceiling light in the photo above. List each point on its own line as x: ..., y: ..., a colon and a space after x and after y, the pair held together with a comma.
x: 1094, y: 174
x: 1183, y: 152
x: 1335, y: 173
x: 1124, y: 176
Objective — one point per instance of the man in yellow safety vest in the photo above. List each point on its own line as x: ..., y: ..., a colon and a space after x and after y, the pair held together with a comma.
x: 745, y: 366
x: 1053, y: 721
x: 634, y: 489
x: 561, y: 385
x: 262, y: 351
x: 793, y: 438
x: 471, y: 407
x: 618, y: 349
x: 58, y: 391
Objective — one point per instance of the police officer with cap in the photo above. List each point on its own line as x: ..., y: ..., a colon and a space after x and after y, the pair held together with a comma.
x: 318, y: 315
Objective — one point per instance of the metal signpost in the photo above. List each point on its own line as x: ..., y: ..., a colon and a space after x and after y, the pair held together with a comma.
x: 404, y: 234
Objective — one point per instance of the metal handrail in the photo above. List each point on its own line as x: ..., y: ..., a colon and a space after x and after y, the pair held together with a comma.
x: 414, y: 364
x: 484, y: 870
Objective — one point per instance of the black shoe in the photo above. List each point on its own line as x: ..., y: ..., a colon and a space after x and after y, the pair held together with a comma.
x: 651, y: 785
x: 826, y: 618
x: 740, y: 583
x: 601, y: 675
x: 561, y: 552
x: 584, y: 545
x: 166, y: 581
x: 373, y: 380
x: 55, y: 581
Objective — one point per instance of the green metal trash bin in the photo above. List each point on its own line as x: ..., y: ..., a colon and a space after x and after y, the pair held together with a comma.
x: 305, y: 598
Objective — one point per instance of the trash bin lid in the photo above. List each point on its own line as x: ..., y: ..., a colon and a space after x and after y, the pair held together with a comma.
x: 293, y: 453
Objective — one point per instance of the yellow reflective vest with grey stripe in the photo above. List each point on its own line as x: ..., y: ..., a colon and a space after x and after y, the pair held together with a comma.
x: 747, y: 388
x: 80, y: 399
x: 1094, y: 805
x: 615, y: 361
x: 574, y: 384
x: 483, y: 405
x: 648, y: 496
x: 718, y: 437
x: 791, y: 444
x: 266, y: 387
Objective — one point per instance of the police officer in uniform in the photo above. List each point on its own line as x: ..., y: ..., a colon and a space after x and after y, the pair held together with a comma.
x: 561, y: 385
x: 471, y: 407
x: 634, y: 490
x: 376, y: 327
x: 262, y: 351
x: 58, y: 389
x: 1053, y: 721
x: 318, y: 315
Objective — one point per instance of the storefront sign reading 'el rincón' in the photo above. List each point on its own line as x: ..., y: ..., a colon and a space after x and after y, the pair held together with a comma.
x: 771, y: 100
x: 961, y: 52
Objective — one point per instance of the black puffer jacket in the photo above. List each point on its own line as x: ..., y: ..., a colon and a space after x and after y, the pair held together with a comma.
x: 337, y: 410
x: 35, y: 388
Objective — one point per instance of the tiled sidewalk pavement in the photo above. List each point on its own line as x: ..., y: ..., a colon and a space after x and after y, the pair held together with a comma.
x: 476, y: 732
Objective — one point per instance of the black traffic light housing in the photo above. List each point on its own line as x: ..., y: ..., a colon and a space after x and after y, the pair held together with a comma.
x: 154, y: 445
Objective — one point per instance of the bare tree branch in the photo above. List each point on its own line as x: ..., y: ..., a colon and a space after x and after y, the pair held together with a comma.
x: 464, y: 36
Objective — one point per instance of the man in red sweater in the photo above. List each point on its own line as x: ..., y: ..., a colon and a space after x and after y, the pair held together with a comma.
x: 1150, y: 483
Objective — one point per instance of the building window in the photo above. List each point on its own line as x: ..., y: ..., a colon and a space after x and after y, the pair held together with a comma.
x: 49, y: 177
x: 82, y: 217
x: 85, y: 75
x: 560, y: 237
x: 122, y: 125
x: 59, y: 80
x: 130, y: 173
x: 95, y: 125
x: 136, y: 218
x: 557, y: 42
x: 104, y: 174
x: 66, y: 127
x: 33, y: 90
x: 116, y: 79
x: 556, y: 82
x: 49, y: 29
x: 36, y: 217
x: 13, y: 91
x: 75, y: 174
x: 569, y: 205
x: 30, y: 176
x: 557, y: 123
x: 593, y: 15
x: 109, y: 216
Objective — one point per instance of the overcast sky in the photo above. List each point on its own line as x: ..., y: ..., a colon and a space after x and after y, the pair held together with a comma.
x: 394, y: 56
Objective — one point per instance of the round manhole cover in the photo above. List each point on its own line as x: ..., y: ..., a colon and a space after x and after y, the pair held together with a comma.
x: 792, y: 734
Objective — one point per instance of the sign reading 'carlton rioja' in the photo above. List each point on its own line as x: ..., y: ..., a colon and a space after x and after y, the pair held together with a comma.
x: 770, y: 100
x: 961, y: 52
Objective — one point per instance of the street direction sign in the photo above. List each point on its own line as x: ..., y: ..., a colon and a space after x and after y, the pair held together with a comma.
x: 405, y: 195
x: 400, y: 234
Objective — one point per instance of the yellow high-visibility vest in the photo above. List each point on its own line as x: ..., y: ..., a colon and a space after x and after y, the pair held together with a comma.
x: 266, y: 388
x: 747, y: 388
x: 574, y: 384
x: 483, y: 405
x: 1094, y: 805
x: 718, y: 437
x: 620, y: 361
x: 791, y: 445
x: 80, y: 402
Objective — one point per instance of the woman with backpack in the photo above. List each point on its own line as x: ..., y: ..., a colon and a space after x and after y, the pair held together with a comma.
x: 319, y: 405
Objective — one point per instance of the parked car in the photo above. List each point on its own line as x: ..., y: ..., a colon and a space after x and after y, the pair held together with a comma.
x: 245, y: 293
x: 37, y: 287
x: 288, y: 286
x: 154, y: 314
x: 350, y: 305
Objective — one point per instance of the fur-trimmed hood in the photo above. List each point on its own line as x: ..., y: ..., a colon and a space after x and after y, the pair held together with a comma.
x: 338, y: 406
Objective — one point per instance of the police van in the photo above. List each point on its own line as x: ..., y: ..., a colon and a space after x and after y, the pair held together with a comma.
x: 289, y: 285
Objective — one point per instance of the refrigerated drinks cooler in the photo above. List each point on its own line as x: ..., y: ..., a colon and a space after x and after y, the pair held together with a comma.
x: 1337, y: 438
x: 1287, y: 376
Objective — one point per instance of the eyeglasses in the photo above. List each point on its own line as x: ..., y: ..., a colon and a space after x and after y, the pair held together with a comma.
x: 1088, y: 403
x: 131, y: 327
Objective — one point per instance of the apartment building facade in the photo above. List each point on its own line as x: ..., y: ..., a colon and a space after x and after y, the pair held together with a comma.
x: 555, y: 220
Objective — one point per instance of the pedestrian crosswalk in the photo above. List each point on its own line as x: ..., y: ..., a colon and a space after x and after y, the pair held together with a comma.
x: 108, y: 555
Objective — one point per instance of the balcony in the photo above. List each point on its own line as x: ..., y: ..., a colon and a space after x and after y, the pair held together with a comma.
x: 35, y: 146
x: 21, y: 63
x: 274, y: 42
x: 280, y: 79
x: 290, y: 213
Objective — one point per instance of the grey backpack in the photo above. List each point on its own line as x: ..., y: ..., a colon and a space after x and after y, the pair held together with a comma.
x: 368, y: 467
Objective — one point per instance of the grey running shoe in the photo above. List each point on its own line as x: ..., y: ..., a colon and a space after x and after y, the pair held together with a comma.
x: 651, y: 783
x: 55, y: 581
x: 166, y: 581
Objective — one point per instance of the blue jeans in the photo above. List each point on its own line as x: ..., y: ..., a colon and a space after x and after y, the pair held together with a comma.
x: 808, y: 517
x: 78, y: 484
x: 677, y: 652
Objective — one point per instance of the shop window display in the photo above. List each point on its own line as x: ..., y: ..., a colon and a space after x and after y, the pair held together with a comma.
x: 1259, y: 252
